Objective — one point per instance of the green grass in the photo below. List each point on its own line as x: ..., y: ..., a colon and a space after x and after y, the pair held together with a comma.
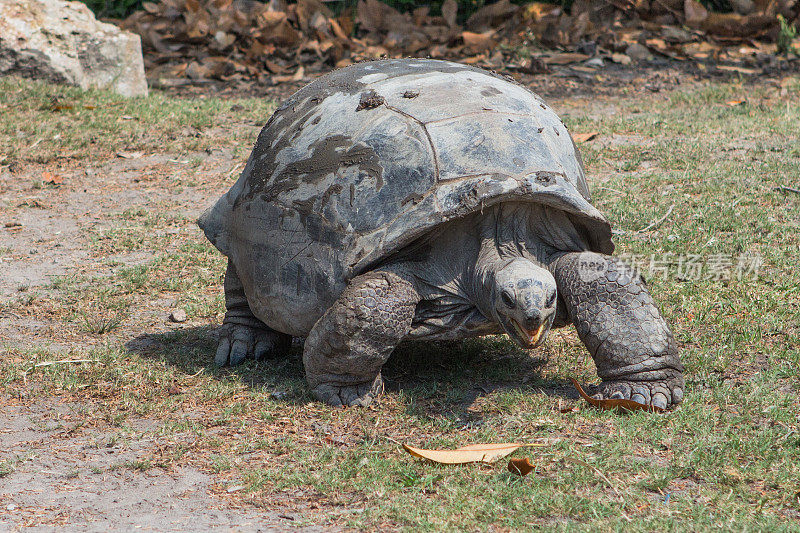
x: 45, y: 123
x: 727, y: 459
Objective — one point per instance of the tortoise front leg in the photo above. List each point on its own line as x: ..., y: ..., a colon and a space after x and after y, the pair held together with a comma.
x: 615, y: 316
x: 242, y: 335
x: 347, y: 347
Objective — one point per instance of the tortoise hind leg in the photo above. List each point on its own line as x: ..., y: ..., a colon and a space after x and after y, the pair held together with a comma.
x: 347, y: 347
x: 243, y: 335
x: 615, y: 316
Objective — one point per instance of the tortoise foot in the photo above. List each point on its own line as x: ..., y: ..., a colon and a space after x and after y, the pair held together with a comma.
x: 356, y: 395
x: 237, y: 342
x: 662, y: 393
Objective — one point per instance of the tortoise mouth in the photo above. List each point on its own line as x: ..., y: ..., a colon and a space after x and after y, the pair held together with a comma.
x: 528, y: 339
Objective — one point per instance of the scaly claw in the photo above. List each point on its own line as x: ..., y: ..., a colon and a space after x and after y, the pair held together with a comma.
x: 237, y: 342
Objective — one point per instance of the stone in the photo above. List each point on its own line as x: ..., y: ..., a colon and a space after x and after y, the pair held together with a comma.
x: 62, y: 42
x: 178, y: 316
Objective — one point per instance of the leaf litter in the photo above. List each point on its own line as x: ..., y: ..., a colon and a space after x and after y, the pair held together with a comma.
x: 615, y: 403
x: 195, y: 41
x: 520, y: 466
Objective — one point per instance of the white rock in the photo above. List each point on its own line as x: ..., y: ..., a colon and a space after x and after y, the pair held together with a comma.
x: 62, y: 42
x: 178, y: 316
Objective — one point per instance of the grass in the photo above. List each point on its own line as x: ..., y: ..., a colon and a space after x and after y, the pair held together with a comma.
x: 94, y: 125
x: 727, y: 459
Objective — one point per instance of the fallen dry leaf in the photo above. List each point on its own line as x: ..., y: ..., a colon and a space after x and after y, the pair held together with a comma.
x: 696, y: 14
x: 449, y: 12
x: 622, y: 59
x: 584, y: 137
x: 564, y: 58
x: 740, y: 70
x: 520, y: 466
x: 474, y: 453
x: 608, y: 404
x: 297, y: 76
x: 129, y: 155
x: 478, y: 42
x: 49, y: 177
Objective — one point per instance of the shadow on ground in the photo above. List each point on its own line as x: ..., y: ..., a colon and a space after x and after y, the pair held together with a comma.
x: 438, y: 377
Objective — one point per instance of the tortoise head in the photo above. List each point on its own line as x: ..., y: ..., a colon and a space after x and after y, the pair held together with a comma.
x: 524, y: 301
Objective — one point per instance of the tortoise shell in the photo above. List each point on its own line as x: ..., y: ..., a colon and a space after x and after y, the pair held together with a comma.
x: 363, y: 161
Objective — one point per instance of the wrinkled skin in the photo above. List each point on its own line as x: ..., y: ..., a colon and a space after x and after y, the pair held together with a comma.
x: 615, y: 316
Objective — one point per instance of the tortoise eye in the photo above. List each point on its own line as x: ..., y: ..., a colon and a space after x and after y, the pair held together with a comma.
x: 508, y: 299
x: 551, y: 300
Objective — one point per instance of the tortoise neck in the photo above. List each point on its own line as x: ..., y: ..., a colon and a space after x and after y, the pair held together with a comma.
x: 501, y: 240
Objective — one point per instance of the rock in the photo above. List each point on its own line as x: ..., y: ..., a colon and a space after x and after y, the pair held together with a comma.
x: 638, y: 52
x: 62, y: 42
x: 178, y: 315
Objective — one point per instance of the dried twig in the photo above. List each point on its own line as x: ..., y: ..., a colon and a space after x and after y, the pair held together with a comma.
x: 658, y: 222
x: 59, y: 362
x: 653, y: 225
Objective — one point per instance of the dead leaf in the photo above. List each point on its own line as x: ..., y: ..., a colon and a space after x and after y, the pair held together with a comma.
x: 740, y: 70
x: 130, y: 155
x: 478, y: 42
x: 520, y: 466
x: 536, y: 11
x: 49, y: 177
x: 609, y: 404
x: 584, y: 137
x: 474, y: 453
x: 491, y: 15
x: 564, y: 58
x: 676, y: 35
x: 449, y: 12
x: 695, y: 13
x: 622, y: 59
x: 297, y: 76
x: 736, y: 25
x: 658, y: 44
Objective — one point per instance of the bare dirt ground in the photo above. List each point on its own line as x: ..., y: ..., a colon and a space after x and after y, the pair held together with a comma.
x: 71, y: 475
x: 68, y: 477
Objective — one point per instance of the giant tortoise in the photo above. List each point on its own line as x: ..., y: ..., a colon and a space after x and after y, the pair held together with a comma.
x: 423, y: 199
